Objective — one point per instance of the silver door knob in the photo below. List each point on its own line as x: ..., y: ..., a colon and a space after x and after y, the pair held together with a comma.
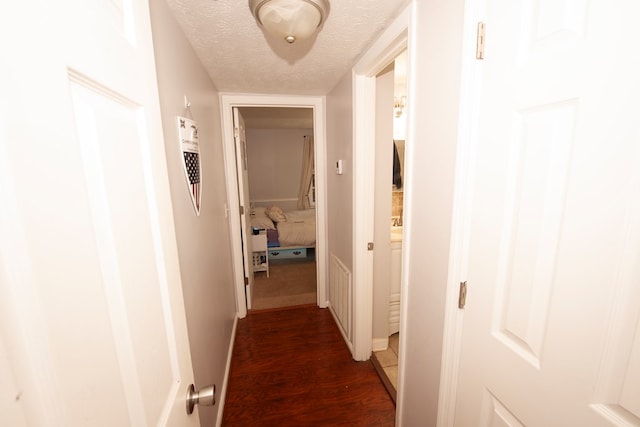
x: 205, y: 396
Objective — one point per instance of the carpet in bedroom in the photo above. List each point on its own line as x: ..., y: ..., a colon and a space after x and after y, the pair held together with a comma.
x: 288, y: 284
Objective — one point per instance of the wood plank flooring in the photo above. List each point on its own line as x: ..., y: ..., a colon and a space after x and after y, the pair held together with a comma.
x: 291, y: 367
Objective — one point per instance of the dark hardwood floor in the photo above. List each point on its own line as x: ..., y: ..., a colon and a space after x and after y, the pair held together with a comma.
x: 291, y: 367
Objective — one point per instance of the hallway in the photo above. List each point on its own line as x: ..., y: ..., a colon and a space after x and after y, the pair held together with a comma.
x: 291, y: 367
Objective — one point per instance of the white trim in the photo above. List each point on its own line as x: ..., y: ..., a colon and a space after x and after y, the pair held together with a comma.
x: 233, y: 209
x: 407, y: 220
x: 380, y: 344
x: 391, y: 43
x: 470, y: 88
x: 227, y: 102
x: 220, y: 401
x: 364, y: 91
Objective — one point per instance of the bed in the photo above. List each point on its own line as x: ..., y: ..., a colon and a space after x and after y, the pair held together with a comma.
x: 286, y: 230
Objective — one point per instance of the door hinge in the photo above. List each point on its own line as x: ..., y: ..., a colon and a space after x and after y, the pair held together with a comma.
x: 241, y: 210
x: 370, y: 246
x: 246, y: 281
x: 462, y: 296
x: 236, y: 133
x: 480, y: 41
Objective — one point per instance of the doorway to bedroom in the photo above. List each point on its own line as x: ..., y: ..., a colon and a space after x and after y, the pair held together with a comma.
x: 280, y: 163
x: 237, y: 173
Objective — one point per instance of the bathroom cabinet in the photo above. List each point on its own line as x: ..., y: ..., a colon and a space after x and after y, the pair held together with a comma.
x: 394, y: 289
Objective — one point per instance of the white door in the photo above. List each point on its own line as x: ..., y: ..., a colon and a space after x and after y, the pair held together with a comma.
x: 551, y: 331
x: 245, y: 201
x: 92, y: 318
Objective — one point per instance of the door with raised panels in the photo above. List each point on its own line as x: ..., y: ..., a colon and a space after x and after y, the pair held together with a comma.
x: 550, y: 335
x: 92, y: 320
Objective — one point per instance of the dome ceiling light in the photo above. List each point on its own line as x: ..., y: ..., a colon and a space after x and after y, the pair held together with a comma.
x: 290, y: 20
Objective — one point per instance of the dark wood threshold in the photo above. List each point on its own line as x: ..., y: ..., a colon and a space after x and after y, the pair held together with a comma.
x: 383, y: 377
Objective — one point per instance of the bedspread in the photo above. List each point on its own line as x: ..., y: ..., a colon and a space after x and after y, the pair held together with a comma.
x: 299, y: 229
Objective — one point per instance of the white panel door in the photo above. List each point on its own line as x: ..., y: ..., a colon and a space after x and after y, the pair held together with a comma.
x: 550, y: 334
x: 240, y: 138
x: 92, y: 317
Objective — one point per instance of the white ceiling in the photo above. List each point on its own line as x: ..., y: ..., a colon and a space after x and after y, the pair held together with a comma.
x: 239, y: 57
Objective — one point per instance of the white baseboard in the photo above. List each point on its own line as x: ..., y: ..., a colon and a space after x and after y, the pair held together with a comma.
x: 379, y: 344
x: 223, y: 392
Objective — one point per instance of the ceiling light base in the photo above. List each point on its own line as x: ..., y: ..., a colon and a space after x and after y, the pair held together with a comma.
x: 290, y: 20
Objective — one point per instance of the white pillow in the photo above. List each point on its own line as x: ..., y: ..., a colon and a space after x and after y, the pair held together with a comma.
x: 276, y: 214
x: 259, y: 219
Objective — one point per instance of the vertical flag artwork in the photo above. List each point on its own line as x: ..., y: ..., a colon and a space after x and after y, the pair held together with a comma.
x: 189, y: 145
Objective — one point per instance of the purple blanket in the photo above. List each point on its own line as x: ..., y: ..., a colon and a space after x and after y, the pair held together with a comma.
x: 272, y: 238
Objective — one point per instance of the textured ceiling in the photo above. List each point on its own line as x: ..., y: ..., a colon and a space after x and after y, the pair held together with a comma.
x: 240, y: 57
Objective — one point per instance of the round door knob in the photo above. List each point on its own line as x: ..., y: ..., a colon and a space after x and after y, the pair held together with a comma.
x: 205, y: 396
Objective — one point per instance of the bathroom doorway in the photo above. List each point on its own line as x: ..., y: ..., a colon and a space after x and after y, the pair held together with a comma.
x: 390, y: 131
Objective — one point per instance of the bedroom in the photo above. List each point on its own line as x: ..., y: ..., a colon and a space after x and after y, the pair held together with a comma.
x: 280, y: 160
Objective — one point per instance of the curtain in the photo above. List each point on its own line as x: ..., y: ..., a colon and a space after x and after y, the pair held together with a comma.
x: 307, y: 174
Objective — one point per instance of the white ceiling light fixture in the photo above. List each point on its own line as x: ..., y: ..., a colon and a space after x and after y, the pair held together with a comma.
x: 290, y: 20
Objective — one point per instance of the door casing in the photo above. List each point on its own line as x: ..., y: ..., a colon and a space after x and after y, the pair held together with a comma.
x: 390, y: 44
x: 317, y: 103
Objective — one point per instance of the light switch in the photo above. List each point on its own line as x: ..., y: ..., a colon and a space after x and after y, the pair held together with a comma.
x: 339, y: 167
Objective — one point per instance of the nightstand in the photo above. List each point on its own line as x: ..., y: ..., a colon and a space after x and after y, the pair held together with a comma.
x: 259, y: 248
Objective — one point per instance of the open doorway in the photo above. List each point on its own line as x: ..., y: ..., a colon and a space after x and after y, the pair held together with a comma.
x: 390, y: 131
x: 281, y: 190
x: 393, y: 41
x: 235, y: 206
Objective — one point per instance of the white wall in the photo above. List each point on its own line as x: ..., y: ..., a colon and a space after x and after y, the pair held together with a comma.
x: 340, y: 187
x: 274, y: 158
x: 203, y: 241
x: 434, y: 88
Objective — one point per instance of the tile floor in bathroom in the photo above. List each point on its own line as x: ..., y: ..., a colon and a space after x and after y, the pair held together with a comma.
x: 388, y: 360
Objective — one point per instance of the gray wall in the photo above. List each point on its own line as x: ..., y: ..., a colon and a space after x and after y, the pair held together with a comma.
x: 340, y: 187
x: 274, y: 158
x: 430, y: 166
x: 203, y: 241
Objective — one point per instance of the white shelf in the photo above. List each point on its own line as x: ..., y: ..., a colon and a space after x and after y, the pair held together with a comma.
x: 260, y: 254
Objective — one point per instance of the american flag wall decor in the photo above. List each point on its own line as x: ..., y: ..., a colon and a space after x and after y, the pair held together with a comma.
x: 190, y: 148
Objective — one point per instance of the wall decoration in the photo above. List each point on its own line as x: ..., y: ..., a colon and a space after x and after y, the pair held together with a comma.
x: 189, y: 146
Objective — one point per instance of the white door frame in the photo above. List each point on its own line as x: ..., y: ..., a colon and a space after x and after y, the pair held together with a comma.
x: 388, y: 46
x: 317, y: 103
x: 242, y: 175
x: 470, y: 88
